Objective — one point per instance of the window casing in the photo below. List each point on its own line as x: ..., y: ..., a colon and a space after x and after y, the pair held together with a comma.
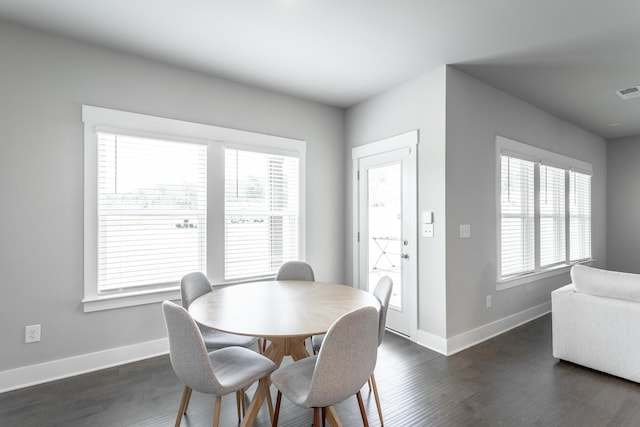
x: 155, y: 203
x: 544, y: 212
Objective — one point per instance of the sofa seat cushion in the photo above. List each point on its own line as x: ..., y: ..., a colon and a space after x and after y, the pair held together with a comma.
x: 605, y: 283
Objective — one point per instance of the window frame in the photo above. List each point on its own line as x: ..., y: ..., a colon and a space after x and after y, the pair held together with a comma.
x: 216, y: 138
x: 512, y: 148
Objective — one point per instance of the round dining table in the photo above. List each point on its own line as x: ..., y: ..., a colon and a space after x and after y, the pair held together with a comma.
x: 284, y: 313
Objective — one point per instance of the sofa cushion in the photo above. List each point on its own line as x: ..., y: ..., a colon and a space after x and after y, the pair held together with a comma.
x: 605, y: 283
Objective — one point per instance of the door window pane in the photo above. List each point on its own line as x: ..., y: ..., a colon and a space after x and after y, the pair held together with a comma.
x: 385, y: 227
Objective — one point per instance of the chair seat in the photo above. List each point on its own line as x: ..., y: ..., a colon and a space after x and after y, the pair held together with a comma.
x: 294, y: 381
x: 215, y: 340
x: 238, y: 367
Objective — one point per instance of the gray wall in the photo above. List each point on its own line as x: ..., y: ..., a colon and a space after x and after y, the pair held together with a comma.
x: 623, y: 207
x: 476, y: 113
x: 44, y: 80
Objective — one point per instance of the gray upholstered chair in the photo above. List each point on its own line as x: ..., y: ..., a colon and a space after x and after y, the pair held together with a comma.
x: 220, y: 372
x: 343, y: 365
x: 295, y: 270
x: 192, y: 286
x: 383, y: 290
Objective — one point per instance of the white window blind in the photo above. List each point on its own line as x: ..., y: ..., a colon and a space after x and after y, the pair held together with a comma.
x: 517, y: 216
x: 580, y: 215
x: 262, y: 223
x: 151, y: 211
x: 552, y: 216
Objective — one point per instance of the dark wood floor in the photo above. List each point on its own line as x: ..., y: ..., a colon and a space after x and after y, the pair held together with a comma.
x: 511, y: 380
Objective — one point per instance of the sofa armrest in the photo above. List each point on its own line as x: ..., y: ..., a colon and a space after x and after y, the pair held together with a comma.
x: 598, y: 332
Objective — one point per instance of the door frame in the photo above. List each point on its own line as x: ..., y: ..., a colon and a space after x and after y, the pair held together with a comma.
x: 408, y: 141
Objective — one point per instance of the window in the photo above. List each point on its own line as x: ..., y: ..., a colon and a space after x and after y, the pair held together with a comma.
x: 580, y: 215
x: 544, y: 211
x: 261, y: 213
x: 517, y: 216
x: 552, y: 216
x: 151, y: 211
x: 166, y: 197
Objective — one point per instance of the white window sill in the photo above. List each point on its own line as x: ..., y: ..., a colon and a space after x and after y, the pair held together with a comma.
x: 129, y: 299
x: 538, y: 275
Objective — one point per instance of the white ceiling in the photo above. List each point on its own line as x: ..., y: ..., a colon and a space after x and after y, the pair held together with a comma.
x: 565, y: 56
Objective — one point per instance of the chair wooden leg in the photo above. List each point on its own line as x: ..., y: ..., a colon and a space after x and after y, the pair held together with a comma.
x: 267, y: 390
x: 216, y: 411
x: 375, y: 394
x: 365, y: 422
x: 186, y: 392
x: 324, y: 417
x: 274, y: 423
x: 186, y: 404
x: 316, y: 417
x: 239, y: 394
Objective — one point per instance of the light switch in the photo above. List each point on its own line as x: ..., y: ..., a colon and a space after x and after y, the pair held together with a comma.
x: 427, y: 217
x: 465, y: 231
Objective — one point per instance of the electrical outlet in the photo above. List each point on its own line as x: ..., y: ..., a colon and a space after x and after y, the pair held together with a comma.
x: 488, y: 301
x: 31, y: 333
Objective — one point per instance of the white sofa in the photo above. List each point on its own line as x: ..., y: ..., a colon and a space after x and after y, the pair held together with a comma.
x: 596, y: 321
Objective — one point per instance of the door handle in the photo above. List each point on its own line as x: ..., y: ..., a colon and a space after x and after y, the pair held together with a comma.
x: 405, y: 256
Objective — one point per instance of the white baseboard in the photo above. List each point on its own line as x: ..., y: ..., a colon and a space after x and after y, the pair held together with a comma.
x: 475, y: 336
x: 56, y: 369
x: 431, y: 341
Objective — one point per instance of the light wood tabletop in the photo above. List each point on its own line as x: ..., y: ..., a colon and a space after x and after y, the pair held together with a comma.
x: 283, y: 312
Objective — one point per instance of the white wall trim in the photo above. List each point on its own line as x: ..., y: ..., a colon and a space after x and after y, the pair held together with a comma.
x: 63, y: 368
x: 431, y: 341
x: 475, y: 336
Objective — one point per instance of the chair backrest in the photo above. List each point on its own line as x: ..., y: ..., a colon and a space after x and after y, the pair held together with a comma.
x: 187, y: 351
x: 346, y: 359
x: 295, y: 270
x: 192, y: 286
x: 383, y: 293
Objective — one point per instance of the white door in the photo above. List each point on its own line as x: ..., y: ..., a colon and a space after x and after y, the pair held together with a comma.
x: 386, y: 231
